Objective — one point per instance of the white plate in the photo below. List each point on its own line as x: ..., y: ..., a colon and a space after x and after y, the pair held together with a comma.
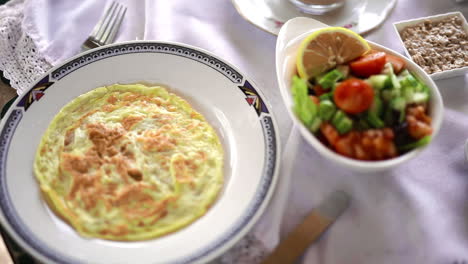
x: 230, y: 102
x: 358, y: 15
x: 401, y: 25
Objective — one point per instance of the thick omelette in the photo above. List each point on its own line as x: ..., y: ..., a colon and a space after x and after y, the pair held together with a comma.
x: 129, y: 162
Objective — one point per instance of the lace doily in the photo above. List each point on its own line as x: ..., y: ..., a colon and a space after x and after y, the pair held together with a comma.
x: 20, y: 60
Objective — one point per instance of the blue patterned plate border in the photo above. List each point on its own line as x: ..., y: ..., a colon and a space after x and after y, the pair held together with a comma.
x: 27, y: 239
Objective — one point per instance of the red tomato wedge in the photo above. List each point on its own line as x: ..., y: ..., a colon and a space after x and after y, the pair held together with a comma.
x: 368, y: 64
x: 353, y: 96
x: 397, y: 63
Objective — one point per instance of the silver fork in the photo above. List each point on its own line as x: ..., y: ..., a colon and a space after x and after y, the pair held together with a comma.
x: 105, y: 30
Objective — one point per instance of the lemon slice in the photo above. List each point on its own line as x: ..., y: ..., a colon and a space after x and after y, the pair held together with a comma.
x: 326, y: 48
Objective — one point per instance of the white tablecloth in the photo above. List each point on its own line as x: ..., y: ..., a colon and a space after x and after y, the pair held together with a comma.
x: 414, y: 214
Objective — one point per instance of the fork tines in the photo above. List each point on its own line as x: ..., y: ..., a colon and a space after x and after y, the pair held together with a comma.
x: 105, y: 30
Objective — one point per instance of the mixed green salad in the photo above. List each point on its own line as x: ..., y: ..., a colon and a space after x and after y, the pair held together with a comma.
x: 371, y: 108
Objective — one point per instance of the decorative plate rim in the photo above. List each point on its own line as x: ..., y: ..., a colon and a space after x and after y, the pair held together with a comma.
x: 27, y: 240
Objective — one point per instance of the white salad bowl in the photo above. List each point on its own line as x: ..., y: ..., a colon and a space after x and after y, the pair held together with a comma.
x: 289, y: 38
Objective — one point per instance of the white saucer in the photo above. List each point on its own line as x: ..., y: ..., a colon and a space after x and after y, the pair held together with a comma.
x: 357, y: 15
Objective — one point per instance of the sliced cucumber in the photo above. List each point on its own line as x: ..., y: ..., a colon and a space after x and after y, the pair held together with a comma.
x: 409, y: 81
x: 380, y: 81
x: 399, y: 104
x: 376, y: 106
x: 326, y: 110
x: 388, y: 70
x: 419, y: 97
x: 390, y: 94
x: 395, y: 83
x: 337, y: 117
x: 407, y: 92
x: 344, y: 126
x: 329, y: 79
x: 341, y: 122
x: 414, y: 90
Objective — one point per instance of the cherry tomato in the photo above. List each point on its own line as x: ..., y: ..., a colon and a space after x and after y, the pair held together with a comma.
x: 397, y: 63
x: 314, y: 99
x: 368, y: 64
x: 353, y: 96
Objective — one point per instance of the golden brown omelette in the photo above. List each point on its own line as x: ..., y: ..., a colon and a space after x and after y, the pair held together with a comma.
x: 129, y: 162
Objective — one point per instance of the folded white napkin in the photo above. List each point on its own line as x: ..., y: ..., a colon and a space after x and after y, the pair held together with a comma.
x: 416, y: 213
x: 58, y: 28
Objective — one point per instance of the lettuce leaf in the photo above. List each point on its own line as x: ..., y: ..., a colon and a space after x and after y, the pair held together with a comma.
x: 304, y: 108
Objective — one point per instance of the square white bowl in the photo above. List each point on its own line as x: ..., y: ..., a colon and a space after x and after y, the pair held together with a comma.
x: 401, y: 25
